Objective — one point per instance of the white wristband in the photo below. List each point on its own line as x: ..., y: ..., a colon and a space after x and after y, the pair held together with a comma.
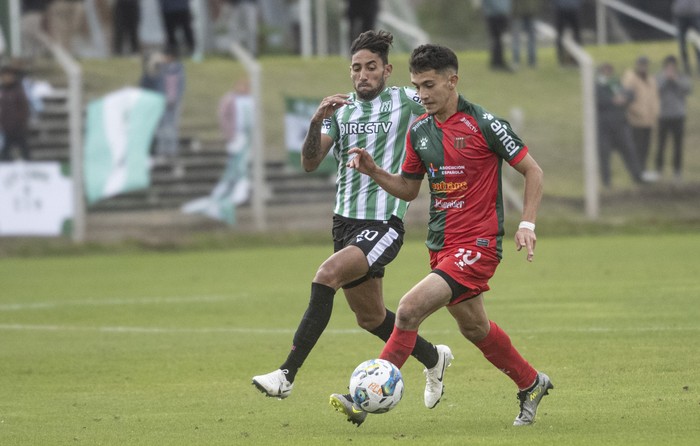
x: 527, y: 225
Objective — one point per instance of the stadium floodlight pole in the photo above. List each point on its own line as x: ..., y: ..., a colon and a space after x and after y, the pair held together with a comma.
x: 601, y: 23
x: 14, y: 31
x: 589, y: 118
x: 590, y: 127
x: 259, y: 195
x: 321, y: 28
x: 75, y: 130
x: 305, y: 28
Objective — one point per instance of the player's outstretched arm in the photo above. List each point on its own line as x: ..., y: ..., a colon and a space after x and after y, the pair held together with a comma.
x: 395, y: 184
x: 316, y: 145
x: 525, y: 236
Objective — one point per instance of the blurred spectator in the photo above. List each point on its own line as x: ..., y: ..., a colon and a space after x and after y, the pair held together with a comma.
x: 687, y: 16
x: 14, y: 113
x: 614, y: 133
x: 35, y: 90
x: 243, y: 23
x: 33, y: 18
x: 643, y: 111
x: 177, y: 17
x: 150, y: 73
x: 566, y: 15
x: 2, y: 42
x: 171, y: 82
x: 361, y: 15
x: 524, y: 14
x: 126, y: 17
x: 497, y: 13
x: 65, y: 21
x: 674, y: 87
x: 236, y: 112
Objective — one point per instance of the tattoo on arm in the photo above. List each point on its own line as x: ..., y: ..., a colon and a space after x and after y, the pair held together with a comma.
x: 311, y: 148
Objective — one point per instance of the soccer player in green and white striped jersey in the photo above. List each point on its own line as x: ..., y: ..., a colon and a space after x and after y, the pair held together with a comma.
x: 367, y: 222
x: 379, y: 124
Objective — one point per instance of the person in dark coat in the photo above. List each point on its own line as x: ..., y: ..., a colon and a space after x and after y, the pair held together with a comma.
x: 177, y: 16
x: 614, y: 132
x: 14, y: 113
x: 126, y: 18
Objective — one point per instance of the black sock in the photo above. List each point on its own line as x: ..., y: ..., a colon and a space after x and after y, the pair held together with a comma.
x: 312, y: 324
x: 424, y: 351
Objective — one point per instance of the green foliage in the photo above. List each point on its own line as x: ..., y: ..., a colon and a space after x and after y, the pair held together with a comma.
x: 159, y: 348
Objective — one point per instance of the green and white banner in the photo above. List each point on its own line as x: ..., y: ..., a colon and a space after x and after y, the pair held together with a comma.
x: 120, y: 129
x: 296, y: 124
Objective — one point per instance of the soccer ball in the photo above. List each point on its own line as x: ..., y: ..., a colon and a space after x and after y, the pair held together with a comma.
x: 376, y: 386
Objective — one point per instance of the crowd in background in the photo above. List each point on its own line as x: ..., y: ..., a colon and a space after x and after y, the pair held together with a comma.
x: 632, y: 108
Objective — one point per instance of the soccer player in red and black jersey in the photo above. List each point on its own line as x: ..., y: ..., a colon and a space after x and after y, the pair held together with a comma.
x: 367, y: 221
x: 460, y: 147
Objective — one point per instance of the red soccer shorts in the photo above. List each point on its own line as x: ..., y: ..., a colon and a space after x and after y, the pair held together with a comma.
x: 469, y: 266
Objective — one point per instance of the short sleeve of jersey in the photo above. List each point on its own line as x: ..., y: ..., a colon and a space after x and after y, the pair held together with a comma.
x: 416, y: 106
x: 413, y: 166
x: 330, y: 127
x: 501, y: 138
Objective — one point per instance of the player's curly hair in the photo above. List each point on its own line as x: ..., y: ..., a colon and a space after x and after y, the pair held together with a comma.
x: 378, y: 42
x: 432, y: 57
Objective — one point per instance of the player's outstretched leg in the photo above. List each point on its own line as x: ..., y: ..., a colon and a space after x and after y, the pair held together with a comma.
x: 434, y: 385
x: 274, y: 384
x: 345, y: 405
x: 530, y: 399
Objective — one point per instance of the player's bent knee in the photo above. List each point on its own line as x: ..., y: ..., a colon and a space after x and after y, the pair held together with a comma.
x: 474, y: 333
x: 407, y: 319
x: 328, y: 275
x: 369, y: 322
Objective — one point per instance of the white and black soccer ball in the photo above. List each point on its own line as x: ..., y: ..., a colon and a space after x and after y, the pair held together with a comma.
x: 376, y: 386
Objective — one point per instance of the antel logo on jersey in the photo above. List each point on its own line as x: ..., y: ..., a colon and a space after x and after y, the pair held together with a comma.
x: 502, y: 134
x: 357, y: 128
x: 448, y: 204
x: 449, y: 186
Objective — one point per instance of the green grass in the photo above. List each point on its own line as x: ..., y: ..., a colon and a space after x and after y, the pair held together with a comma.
x: 158, y: 348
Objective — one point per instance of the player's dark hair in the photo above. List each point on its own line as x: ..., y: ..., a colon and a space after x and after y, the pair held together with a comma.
x: 378, y: 42
x: 432, y: 57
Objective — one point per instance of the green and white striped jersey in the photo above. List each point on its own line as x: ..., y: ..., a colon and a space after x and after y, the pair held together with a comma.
x: 380, y: 127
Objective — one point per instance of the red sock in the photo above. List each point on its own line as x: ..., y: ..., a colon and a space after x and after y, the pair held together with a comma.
x: 399, y: 346
x: 498, y: 349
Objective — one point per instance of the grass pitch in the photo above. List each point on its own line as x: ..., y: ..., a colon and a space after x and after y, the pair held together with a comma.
x: 159, y: 348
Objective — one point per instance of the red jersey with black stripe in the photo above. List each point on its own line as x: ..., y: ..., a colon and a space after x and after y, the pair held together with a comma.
x: 462, y: 158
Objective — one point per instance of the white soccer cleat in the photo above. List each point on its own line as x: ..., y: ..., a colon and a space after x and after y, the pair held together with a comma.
x: 274, y: 384
x: 434, y: 387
